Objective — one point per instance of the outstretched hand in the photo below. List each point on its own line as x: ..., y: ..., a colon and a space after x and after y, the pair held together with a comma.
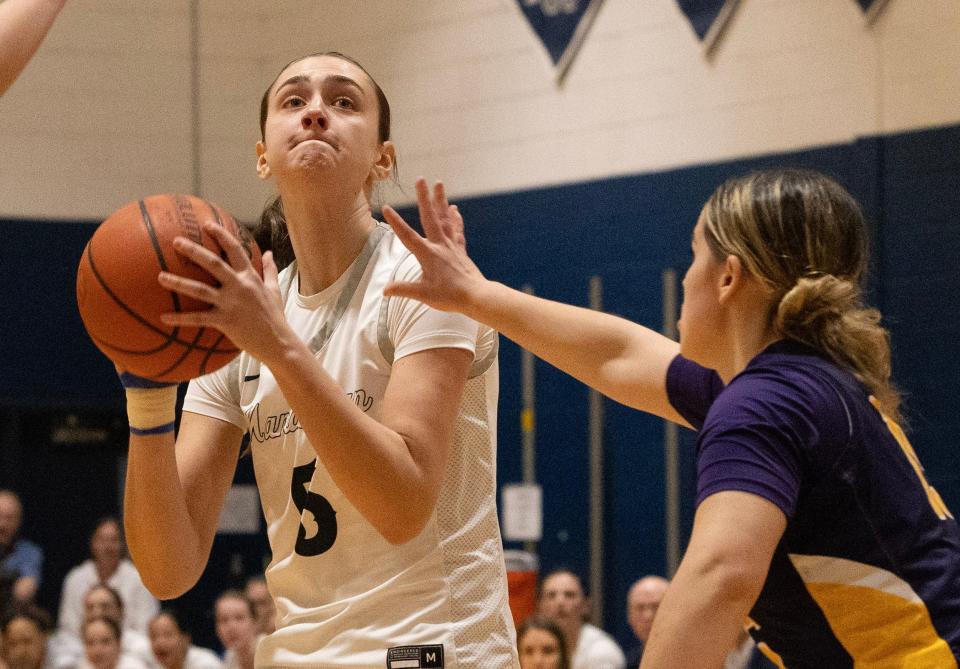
x: 450, y: 279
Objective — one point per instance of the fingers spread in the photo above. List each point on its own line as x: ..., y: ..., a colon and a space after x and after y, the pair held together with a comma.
x: 407, y: 235
x: 404, y: 289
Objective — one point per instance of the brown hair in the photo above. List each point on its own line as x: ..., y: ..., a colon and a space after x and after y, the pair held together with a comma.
x: 804, y: 236
x: 271, y: 233
x: 550, y: 627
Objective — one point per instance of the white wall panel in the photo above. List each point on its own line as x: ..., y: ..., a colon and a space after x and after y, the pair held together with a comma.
x: 105, y: 112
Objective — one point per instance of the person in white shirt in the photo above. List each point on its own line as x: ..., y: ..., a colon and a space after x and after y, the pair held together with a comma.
x: 372, y: 420
x: 562, y: 599
x: 172, y: 647
x: 108, y: 565
x: 101, y: 646
x: 102, y: 601
x: 237, y: 629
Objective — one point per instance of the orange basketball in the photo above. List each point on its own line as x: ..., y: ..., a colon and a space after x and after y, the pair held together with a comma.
x: 121, y: 301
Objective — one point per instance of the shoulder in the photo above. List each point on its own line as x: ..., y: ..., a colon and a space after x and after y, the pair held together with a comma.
x: 27, y: 550
x: 82, y: 572
x: 201, y: 658
x: 127, y: 571
x: 598, y: 645
x: 784, y: 390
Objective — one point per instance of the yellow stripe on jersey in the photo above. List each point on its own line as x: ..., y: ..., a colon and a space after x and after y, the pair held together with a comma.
x: 875, y: 615
x: 749, y: 626
x: 936, y: 502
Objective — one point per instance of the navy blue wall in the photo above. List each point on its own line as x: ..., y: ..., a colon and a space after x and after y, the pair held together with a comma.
x: 625, y: 230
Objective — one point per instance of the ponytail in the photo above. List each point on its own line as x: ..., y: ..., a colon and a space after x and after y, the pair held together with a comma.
x: 272, y: 234
x: 804, y: 236
x: 827, y: 314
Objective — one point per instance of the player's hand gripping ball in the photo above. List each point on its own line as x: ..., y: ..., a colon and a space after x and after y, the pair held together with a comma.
x: 121, y: 301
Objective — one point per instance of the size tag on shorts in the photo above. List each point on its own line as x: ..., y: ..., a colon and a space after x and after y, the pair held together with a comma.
x: 415, y: 657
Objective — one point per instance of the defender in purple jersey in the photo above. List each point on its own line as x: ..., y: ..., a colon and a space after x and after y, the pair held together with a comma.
x: 815, y: 526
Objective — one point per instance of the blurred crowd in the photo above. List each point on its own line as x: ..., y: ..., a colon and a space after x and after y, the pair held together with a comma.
x: 107, y: 619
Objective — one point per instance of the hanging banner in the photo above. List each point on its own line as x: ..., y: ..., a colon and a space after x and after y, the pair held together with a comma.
x: 562, y: 26
x: 872, y: 8
x: 708, y: 18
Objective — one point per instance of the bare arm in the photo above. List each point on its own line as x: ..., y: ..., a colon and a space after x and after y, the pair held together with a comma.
x: 173, y: 498
x: 719, y: 580
x: 389, y: 470
x: 23, y: 25
x: 623, y: 360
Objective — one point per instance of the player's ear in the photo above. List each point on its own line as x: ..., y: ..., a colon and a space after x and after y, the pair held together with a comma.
x: 730, y: 277
x: 386, y: 160
x: 263, y: 169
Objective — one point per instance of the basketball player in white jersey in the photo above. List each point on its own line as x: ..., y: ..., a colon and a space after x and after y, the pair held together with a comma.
x: 23, y: 25
x: 371, y: 420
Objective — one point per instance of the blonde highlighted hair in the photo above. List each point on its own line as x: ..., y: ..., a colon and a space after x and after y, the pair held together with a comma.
x: 804, y: 236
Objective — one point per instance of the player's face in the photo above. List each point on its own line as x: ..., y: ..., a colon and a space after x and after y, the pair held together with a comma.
x: 169, y: 644
x: 322, y: 123
x: 101, y: 646
x: 24, y: 645
x: 235, y: 624
x: 699, y: 323
x: 562, y: 600
x: 105, y: 545
x: 539, y: 649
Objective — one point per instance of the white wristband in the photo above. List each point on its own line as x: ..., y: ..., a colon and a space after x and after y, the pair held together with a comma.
x: 151, y: 410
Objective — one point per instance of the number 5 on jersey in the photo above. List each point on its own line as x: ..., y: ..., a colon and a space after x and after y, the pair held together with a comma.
x: 323, y: 514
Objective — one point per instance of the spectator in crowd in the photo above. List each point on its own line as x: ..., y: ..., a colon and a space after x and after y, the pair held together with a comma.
x: 562, y: 599
x: 172, y: 645
x: 540, y: 644
x: 263, y: 609
x: 102, y: 646
x: 643, y: 600
x: 102, y: 601
x: 236, y: 629
x: 107, y: 565
x: 21, y: 561
x: 24, y: 633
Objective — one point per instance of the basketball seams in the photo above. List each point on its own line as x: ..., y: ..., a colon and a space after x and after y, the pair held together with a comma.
x: 120, y: 289
x: 155, y: 242
x: 140, y: 319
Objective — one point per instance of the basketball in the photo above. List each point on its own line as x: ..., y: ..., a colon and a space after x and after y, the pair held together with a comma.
x: 120, y: 300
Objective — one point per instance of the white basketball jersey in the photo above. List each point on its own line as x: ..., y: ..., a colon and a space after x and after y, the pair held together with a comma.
x: 345, y: 596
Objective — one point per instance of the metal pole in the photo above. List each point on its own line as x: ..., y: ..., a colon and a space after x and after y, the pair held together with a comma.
x: 671, y: 455
x: 596, y: 479
x: 528, y: 423
x: 195, y: 134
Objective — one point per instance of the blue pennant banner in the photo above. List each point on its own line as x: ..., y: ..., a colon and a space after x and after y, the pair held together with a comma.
x: 562, y: 26
x: 872, y: 8
x: 708, y: 18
